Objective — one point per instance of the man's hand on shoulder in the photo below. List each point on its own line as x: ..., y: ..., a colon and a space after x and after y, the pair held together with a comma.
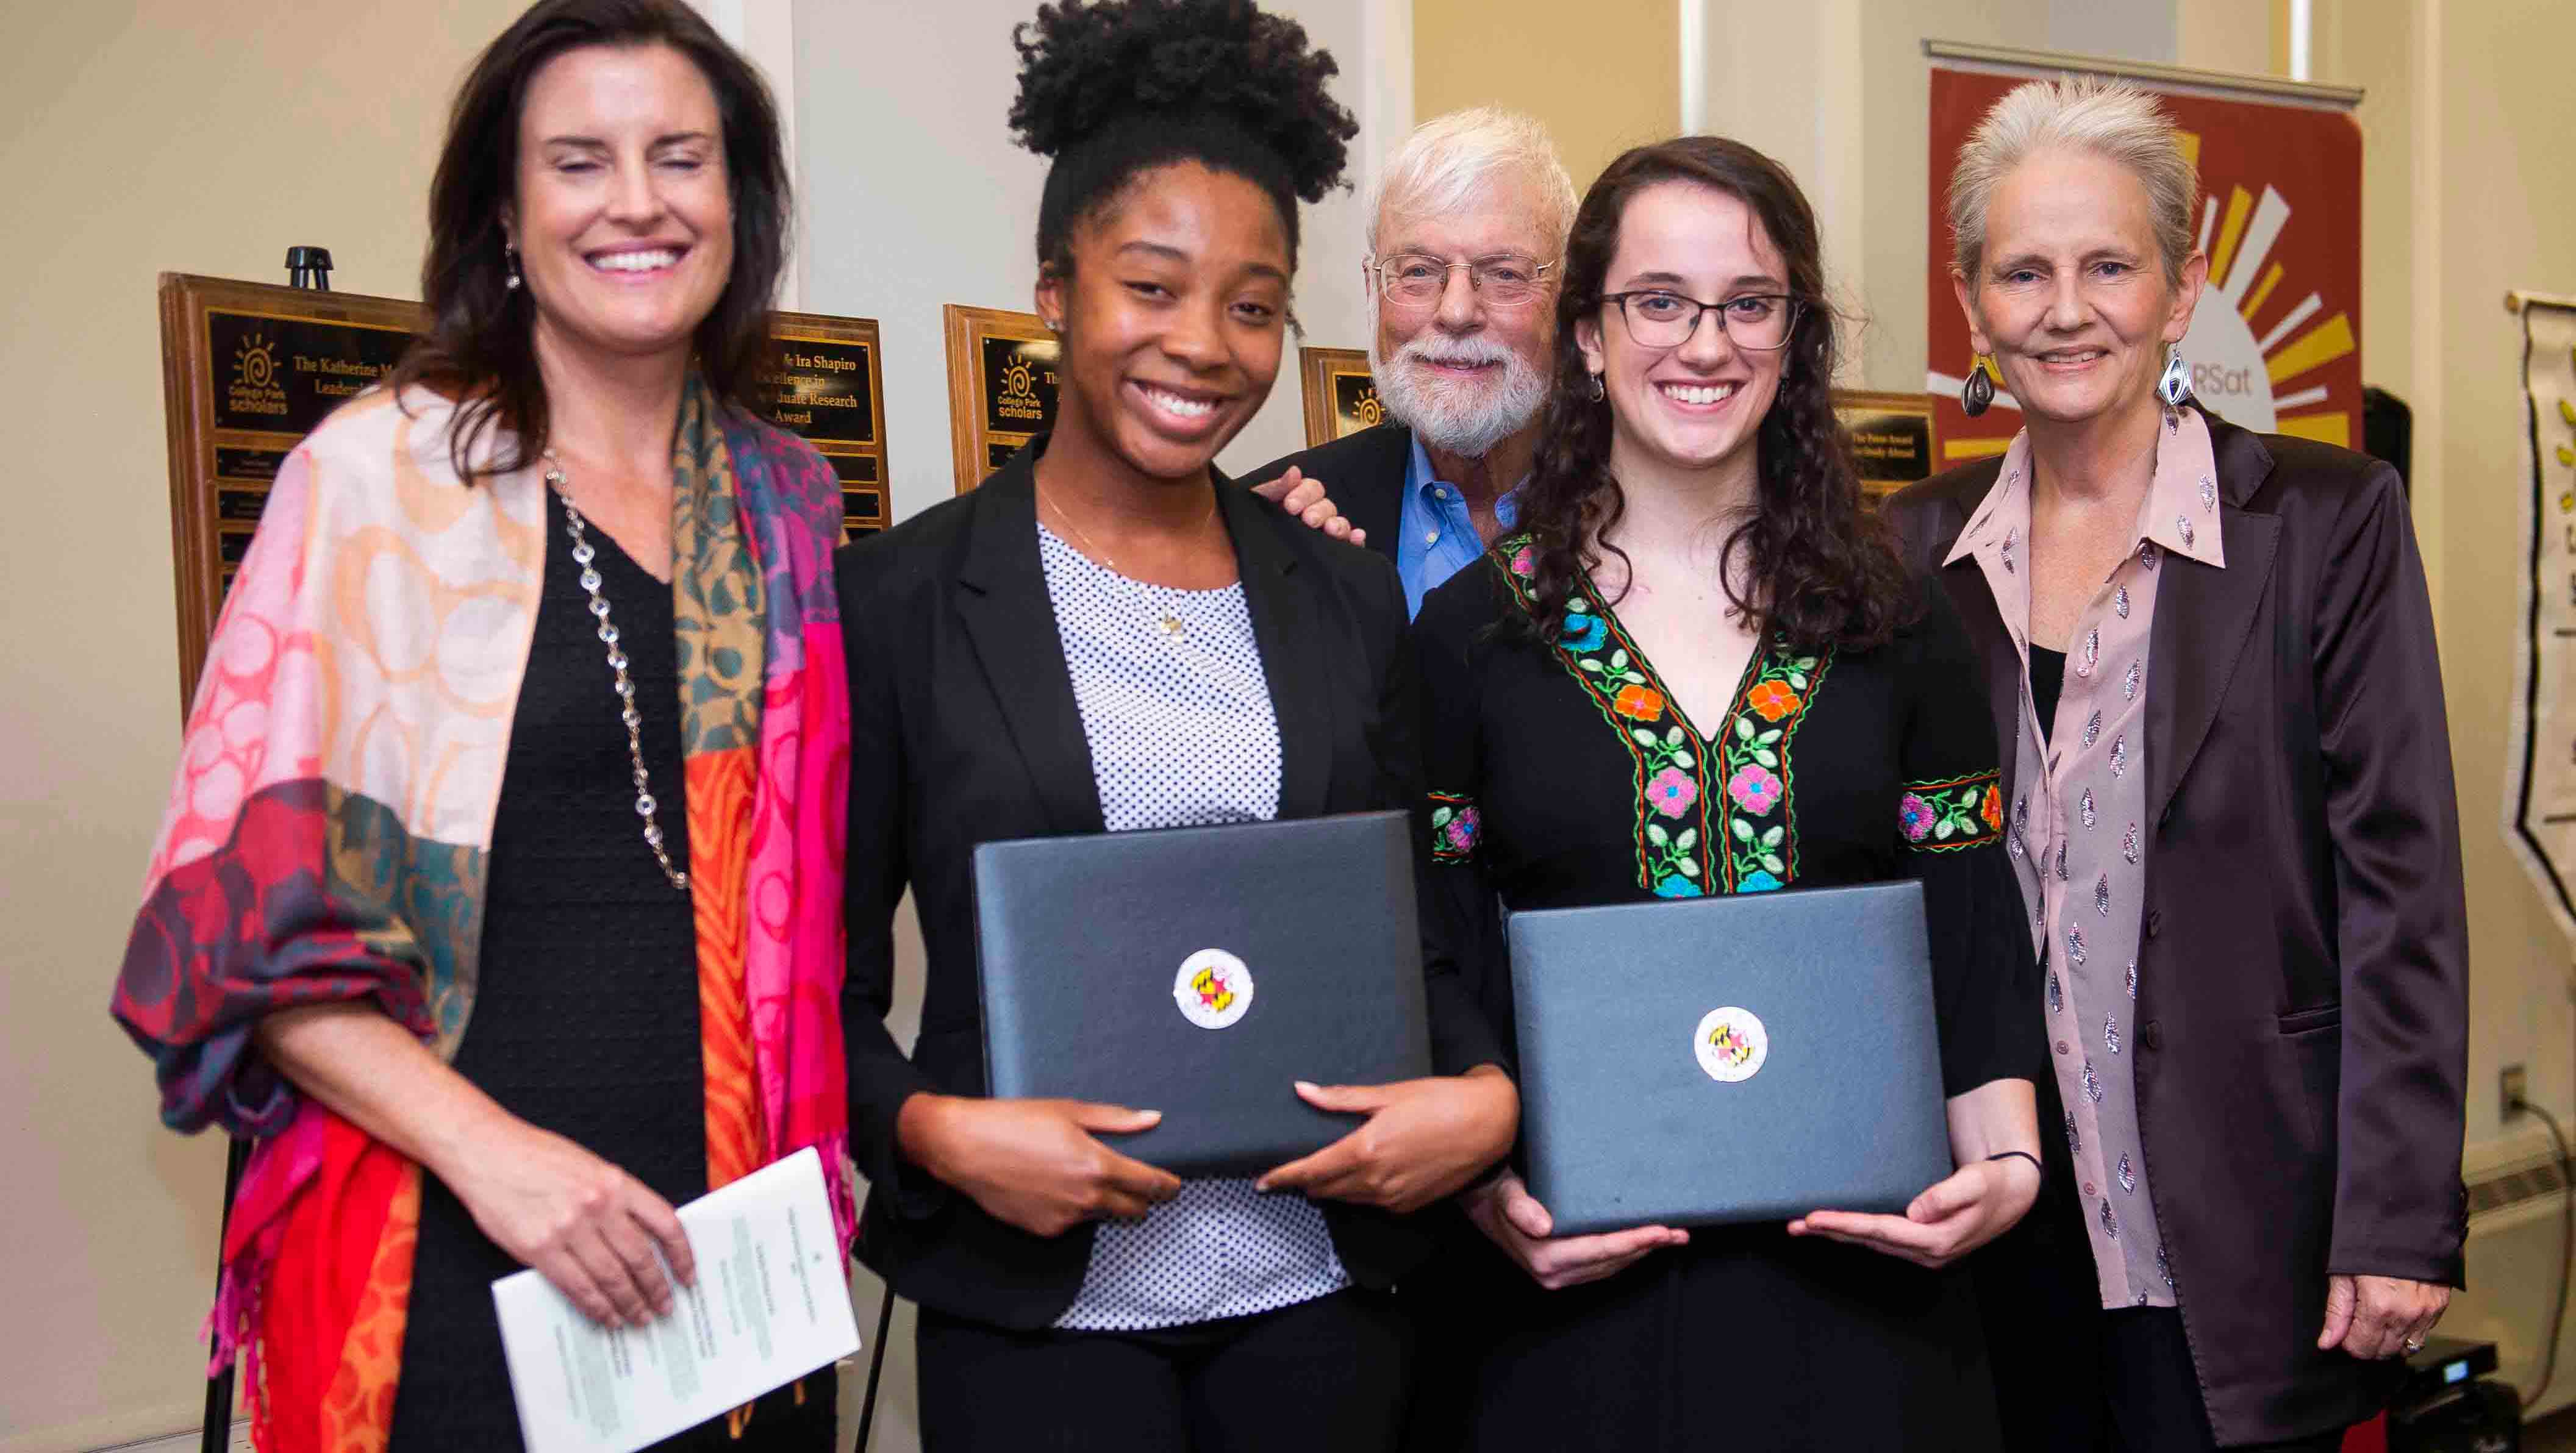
x: 1306, y: 499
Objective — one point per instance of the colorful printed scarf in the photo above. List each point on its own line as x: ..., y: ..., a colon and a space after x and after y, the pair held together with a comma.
x: 328, y: 838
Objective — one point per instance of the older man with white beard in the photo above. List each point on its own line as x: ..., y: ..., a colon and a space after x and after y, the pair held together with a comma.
x: 1470, y: 222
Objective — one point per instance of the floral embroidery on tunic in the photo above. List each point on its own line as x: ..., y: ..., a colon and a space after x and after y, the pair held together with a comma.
x: 1455, y: 826
x: 1691, y: 841
x: 1955, y: 813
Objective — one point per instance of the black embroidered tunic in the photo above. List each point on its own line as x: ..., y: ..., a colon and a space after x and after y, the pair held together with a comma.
x: 1566, y: 775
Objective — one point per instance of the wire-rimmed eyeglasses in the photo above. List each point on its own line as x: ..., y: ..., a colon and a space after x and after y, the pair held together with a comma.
x: 1414, y: 279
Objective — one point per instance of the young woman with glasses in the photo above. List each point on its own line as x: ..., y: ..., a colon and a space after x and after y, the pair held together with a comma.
x: 1700, y: 668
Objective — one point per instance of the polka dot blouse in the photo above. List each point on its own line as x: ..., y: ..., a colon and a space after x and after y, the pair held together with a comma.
x: 1176, y: 708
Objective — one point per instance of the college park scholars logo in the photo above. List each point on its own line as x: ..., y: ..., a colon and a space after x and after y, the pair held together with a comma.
x: 1356, y: 405
x: 1024, y: 396
x: 256, y: 388
x: 1213, y: 989
x: 1731, y: 1044
x: 1019, y: 382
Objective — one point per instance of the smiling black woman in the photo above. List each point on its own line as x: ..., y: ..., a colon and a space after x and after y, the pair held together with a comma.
x: 1107, y: 636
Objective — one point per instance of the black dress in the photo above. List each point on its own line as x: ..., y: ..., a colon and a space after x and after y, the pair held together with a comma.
x: 585, y: 1018
x: 1566, y: 776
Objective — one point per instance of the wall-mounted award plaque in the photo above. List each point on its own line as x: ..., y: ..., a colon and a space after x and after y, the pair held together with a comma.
x: 1341, y: 396
x: 830, y: 391
x: 247, y: 369
x: 1891, y: 435
x: 1001, y: 386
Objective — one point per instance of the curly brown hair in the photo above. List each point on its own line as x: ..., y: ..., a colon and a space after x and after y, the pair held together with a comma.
x: 1823, y: 569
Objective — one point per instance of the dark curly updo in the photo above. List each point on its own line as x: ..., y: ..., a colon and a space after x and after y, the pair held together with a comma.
x: 1822, y: 568
x: 1114, y: 88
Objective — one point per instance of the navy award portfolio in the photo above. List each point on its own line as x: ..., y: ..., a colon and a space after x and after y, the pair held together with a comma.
x: 1201, y: 972
x: 1733, y: 1059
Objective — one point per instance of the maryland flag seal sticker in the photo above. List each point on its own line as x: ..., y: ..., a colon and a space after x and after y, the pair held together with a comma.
x: 1213, y: 989
x: 1731, y: 1044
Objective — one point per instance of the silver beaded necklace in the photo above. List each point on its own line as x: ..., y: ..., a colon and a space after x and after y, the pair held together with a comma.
x: 582, y: 555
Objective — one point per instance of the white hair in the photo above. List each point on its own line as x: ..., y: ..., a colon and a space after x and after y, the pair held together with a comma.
x: 2108, y: 118
x: 1459, y: 418
x: 1448, y: 162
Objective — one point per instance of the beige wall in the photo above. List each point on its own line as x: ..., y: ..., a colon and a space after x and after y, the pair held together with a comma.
x: 2465, y: 195
x: 1605, y: 75
x: 136, y: 137
x: 2231, y: 35
x: 2469, y: 115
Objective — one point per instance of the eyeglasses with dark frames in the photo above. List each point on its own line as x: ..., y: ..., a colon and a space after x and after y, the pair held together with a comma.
x: 1760, y: 322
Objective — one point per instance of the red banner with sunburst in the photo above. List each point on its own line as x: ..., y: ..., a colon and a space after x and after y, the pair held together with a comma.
x: 2276, y: 344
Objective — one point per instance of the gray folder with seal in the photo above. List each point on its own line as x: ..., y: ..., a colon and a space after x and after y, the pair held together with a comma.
x: 1729, y: 1059
x: 1202, y: 972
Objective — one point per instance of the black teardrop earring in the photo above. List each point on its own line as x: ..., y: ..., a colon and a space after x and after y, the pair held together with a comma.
x: 1978, y: 394
x: 1597, y: 390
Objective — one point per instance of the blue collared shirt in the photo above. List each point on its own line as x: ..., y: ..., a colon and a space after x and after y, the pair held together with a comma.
x: 1435, y: 536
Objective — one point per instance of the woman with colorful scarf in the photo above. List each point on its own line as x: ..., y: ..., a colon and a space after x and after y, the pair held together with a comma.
x: 498, y: 900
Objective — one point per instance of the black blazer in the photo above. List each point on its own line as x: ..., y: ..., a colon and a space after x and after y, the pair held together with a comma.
x: 963, y: 730
x: 1364, y: 474
x: 2302, y: 1044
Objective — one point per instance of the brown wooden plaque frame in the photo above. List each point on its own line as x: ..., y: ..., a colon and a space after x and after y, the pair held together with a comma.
x: 220, y: 466
x: 1340, y: 393
x: 984, y: 402
x: 817, y: 359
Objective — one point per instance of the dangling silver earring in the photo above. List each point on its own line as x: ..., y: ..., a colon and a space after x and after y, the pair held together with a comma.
x: 1597, y: 390
x: 2175, y: 386
x: 510, y: 255
x: 1978, y: 394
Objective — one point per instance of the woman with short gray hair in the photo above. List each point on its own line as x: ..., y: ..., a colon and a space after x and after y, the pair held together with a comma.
x: 2210, y: 656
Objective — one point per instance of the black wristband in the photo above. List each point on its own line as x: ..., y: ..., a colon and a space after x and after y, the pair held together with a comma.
x: 2021, y: 1155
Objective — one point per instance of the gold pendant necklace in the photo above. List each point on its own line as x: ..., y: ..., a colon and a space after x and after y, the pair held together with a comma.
x: 1172, y: 626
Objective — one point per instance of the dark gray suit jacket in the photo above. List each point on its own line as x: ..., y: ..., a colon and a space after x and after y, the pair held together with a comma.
x: 2302, y: 1001
x: 1363, y: 473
